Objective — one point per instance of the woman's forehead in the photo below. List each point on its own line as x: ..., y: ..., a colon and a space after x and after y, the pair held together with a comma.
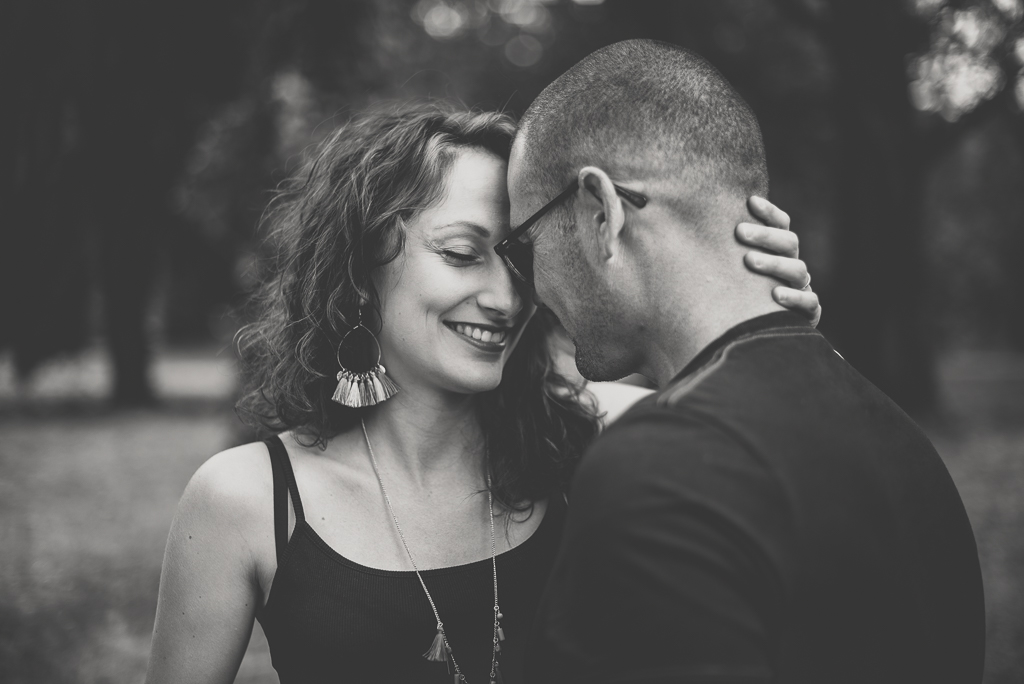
x: 475, y: 199
x: 478, y: 175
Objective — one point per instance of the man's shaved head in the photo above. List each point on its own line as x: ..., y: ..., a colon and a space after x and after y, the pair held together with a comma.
x: 633, y: 282
x: 645, y: 109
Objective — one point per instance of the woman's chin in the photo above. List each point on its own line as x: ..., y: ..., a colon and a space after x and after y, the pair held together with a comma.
x: 466, y: 381
x: 476, y: 386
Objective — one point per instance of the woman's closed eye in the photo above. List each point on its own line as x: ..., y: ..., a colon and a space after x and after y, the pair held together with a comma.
x: 459, y: 257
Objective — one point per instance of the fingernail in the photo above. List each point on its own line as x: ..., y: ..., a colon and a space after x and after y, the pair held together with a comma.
x: 780, y: 295
x: 758, y: 201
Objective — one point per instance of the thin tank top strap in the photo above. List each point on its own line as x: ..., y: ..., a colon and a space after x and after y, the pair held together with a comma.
x: 284, y: 483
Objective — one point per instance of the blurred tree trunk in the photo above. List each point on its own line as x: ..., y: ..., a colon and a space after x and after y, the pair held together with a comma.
x: 1014, y: 259
x: 127, y: 270
x: 43, y: 264
x: 121, y: 100
x: 877, y: 313
x: 153, y: 73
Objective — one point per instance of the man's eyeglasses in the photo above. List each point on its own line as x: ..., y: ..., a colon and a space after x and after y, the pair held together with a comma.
x: 518, y: 255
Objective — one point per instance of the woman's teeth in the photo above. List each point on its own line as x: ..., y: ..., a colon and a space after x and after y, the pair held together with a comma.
x: 480, y: 334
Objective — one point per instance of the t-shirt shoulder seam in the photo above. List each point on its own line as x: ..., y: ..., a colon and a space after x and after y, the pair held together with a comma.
x: 679, y: 390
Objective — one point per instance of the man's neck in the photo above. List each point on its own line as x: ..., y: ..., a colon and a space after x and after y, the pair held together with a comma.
x: 684, y: 332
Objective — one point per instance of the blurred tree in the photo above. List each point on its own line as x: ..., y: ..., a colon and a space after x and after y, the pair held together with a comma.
x: 880, y: 174
x: 44, y: 276
x: 886, y: 151
x: 305, y: 60
x: 152, y: 73
x: 105, y: 96
x: 971, y: 78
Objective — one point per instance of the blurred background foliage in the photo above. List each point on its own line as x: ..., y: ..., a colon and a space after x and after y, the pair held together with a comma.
x: 141, y: 138
x: 140, y: 141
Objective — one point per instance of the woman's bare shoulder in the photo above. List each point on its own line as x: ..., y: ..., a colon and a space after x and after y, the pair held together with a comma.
x: 615, y: 398
x: 233, y: 487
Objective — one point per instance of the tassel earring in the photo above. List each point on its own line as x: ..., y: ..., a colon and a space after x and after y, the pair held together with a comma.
x: 367, y: 388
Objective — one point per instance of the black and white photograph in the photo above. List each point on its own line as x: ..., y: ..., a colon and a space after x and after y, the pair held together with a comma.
x: 512, y: 342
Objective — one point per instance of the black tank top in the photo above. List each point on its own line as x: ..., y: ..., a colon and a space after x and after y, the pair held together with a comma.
x: 329, y: 619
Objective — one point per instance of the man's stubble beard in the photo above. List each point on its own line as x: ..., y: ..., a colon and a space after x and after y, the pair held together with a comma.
x: 595, y: 357
x: 592, y: 366
x: 594, y: 315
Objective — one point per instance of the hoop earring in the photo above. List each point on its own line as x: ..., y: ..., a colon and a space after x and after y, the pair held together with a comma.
x: 367, y: 388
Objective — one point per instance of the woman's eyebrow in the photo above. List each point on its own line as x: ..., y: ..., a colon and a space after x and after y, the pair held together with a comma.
x: 465, y: 225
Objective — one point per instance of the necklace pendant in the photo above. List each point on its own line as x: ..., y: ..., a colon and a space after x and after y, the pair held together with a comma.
x: 438, y: 651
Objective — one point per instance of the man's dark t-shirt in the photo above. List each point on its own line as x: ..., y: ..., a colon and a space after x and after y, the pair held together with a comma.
x: 769, y: 516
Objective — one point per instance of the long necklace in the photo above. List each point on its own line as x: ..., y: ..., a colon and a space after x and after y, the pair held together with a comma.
x: 440, y: 650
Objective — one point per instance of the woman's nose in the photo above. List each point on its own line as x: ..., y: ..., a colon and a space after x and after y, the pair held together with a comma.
x: 502, y: 293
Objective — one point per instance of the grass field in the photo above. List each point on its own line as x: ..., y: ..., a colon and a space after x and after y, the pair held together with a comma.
x: 86, y: 503
x: 86, y: 497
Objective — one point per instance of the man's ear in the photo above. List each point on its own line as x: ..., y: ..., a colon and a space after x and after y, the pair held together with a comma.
x: 604, y: 216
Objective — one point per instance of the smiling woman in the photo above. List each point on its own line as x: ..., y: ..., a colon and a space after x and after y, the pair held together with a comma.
x: 457, y: 312
x: 362, y: 534
x: 397, y: 217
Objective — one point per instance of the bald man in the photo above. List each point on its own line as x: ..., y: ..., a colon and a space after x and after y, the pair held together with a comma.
x: 768, y: 515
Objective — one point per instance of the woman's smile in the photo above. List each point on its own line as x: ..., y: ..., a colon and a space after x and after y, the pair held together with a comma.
x: 489, y: 338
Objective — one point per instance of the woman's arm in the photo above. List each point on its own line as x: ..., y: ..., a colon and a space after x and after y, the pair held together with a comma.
x: 209, y: 591
x: 781, y: 261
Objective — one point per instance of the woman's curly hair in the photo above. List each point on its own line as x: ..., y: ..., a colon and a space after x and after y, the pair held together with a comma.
x: 332, y: 226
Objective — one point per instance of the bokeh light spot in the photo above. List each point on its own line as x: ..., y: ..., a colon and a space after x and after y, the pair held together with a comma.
x: 962, y: 66
x: 928, y: 7
x: 524, y: 50
x: 441, y: 19
x: 1013, y: 9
